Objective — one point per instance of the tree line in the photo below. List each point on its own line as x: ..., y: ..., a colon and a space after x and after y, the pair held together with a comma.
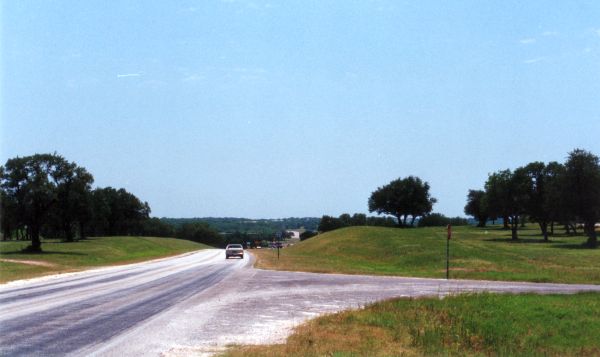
x: 47, y: 195
x: 567, y: 194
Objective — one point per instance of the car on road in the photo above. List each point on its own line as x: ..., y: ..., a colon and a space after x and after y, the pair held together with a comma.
x: 234, y: 250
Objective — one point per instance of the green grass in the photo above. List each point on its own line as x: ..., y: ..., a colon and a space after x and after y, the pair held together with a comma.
x: 475, y: 253
x: 93, y: 252
x: 463, y: 325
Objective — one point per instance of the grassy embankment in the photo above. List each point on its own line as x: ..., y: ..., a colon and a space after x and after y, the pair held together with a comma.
x: 475, y: 254
x: 464, y: 325
x: 59, y: 257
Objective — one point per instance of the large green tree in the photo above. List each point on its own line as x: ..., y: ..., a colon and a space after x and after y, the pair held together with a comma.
x: 477, y: 207
x: 402, y: 198
x: 536, y: 178
x: 506, y: 194
x: 582, y: 185
x: 31, y: 185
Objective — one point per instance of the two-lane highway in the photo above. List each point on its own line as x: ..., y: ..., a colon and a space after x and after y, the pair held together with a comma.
x: 194, y: 304
x: 58, y: 316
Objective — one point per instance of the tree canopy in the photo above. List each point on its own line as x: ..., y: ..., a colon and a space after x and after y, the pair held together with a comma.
x: 402, y: 198
x: 545, y: 193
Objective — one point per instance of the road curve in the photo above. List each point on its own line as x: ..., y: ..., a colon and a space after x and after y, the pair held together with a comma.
x: 194, y: 304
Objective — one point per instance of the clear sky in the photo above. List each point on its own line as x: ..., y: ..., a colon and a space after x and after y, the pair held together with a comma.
x: 297, y: 108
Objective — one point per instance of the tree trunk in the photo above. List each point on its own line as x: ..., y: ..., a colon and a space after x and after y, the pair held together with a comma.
x: 67, y: 227
x: 81, y: 230
x: 404, y: 221
x: 399, y: 217
x: 482, y: 221
x: 412, y: 221
x: 592, y: 241
x: 552, y: 228
x: 573, y: 228
x: 514, y: 224
x: 36, y: 244
x: 544, y: 228
x: 505, y: 219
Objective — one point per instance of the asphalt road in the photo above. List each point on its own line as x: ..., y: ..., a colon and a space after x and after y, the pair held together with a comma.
x: 194, y: 304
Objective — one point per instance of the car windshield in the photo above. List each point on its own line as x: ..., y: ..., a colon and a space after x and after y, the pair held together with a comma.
x: 234, y: 246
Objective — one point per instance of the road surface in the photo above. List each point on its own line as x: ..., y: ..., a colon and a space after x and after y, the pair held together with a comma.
x: 194, y: 304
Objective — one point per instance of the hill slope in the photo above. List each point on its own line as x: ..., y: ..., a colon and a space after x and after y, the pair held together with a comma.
x: 475, y: 254
x: 92, y: 252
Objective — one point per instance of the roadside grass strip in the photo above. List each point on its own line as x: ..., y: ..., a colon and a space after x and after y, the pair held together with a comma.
x: 475, y: 253
x: 60, y: 257
x: 461, y: 325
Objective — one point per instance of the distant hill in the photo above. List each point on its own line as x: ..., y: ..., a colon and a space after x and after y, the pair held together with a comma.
x: 248, y: 225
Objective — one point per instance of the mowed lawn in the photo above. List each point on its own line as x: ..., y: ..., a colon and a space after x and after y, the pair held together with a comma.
x: 462, y: 325
x: 475, y: 253
x: 58, y: 256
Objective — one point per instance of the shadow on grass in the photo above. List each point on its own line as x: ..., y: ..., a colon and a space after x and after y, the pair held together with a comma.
x: 523, y: 240
x: 43, y: 252
x: 582, y: 246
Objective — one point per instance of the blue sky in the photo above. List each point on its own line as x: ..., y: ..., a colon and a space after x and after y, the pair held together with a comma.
x: 297, y: 108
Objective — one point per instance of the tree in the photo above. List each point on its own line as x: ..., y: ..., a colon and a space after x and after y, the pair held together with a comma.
x: 359, y: 219
x: 506, y: 195
x: 477, y: 207
x: 582, y: 185
x: 307, y: 235
x: 536, y: 178
x: 30, y: 185
x: 74, y: 184
x: 555, y: 194
x: 440, y: 220
x: 329, y: 223
x: 402, y: 198
x: 200, y: 232
x: 117, y: 212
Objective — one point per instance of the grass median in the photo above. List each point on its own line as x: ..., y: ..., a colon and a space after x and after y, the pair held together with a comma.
x: 59, y: 257
x: 463, y: 325
x: 475, y: 253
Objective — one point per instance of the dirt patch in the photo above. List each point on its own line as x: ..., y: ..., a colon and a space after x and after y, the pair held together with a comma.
x: 29, y: 262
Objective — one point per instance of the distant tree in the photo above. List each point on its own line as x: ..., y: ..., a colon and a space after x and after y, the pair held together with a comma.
x: 200, y: 232
x: 307, y: 235
x: 506, y: 195
x: 496, y: 194
x: 402, y: 198
x: 329, y: 223
x: 439, y: 220
x: 8, y: 219
x: 155, y: 227
x: 582, y: 185
x: 118, y: 212
x: 477, y: 207
x: 345, y: 219
x: 73, y: 185
x: 537, y: 178
x: 359, y: 219
x: 381, y: 221
x: 555, y: 197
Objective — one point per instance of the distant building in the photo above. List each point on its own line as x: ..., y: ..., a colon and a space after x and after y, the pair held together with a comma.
x: 295, y: 233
